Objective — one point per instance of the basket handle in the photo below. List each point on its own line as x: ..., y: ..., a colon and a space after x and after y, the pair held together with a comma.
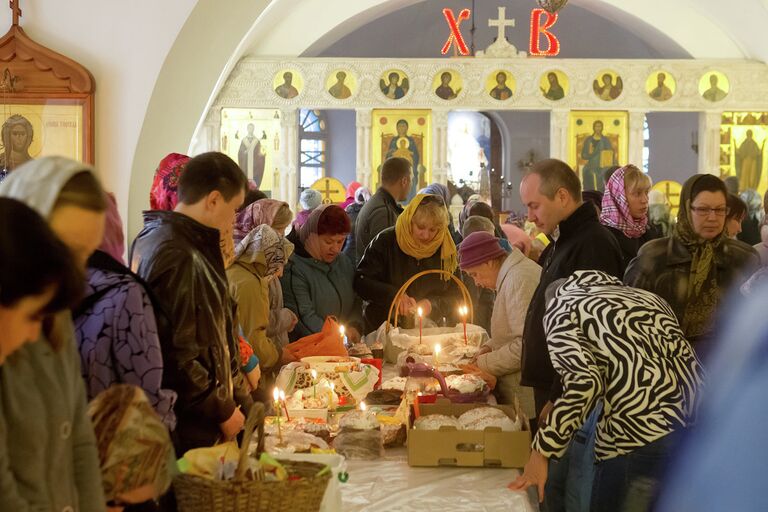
x: 255, y: 421
x: 392, y: 320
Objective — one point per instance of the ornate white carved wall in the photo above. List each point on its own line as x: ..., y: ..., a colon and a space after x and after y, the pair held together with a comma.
x: 251, y: 85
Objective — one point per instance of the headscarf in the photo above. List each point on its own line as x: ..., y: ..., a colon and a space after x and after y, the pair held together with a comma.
x: 419, y: 250
x: 308, y: 231
x: 165, y: 185
x: 362, y: 195
x: 438, y: 189
x: 256, y: 214
x: 703, y: 292
x: 310, y: 199
x: 38, y: 183
x: 264, y: 247
x: 517, y: 238
x: 134, y: 447
x: 615, y: 210
x: 352, y: 189
x: 114, y: 241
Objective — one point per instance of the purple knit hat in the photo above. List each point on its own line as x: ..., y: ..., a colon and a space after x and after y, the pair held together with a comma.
x: 478, y: 248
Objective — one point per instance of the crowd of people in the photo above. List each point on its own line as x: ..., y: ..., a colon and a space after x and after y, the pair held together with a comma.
x: 602, y: 312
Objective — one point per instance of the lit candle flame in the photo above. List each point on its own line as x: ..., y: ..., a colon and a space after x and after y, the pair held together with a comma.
x: 314, y: 374
x: 420, y: 311
x: 333, y: 386
x: 282, y: 395
x: 363, y: 407
x: 276, y: 394
x: 437, y: 348
x: 342, y: 330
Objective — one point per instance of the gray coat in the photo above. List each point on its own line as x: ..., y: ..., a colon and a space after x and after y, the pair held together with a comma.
x: 48, y: 456
x: 377, y: 214
x: 515, y: 286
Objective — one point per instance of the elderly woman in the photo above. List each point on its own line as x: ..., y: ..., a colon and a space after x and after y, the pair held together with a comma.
x: 318, y: 279
x: 514, y: 277
x: 625, y: 210
x: 419, y: 241
x: 259, y: 261
x: 49, y: 455
x: 308, y: 200
x: 695, y: 267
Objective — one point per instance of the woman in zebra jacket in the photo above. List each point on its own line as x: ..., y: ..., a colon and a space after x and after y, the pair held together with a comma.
x: 623, y: 346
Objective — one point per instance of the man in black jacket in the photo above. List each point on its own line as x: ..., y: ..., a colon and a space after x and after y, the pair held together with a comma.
x: 179, y: 256
x: 382, y: 210
x: 552, y: 193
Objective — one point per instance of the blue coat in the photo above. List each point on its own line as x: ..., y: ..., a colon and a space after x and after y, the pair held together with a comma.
x: 314, y: 290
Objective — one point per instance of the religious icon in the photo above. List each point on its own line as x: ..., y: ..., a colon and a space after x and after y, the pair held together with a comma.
x: 469, y: 148
x: 598, y: 141
x: 289, y: 87
x: 395, y: 86
x: 33, y: 130
x: 714, y: 86
x: 17, y: 135
x: 660, y: 86
x: 749, y: 161
x: 251, y: 137
x: 405, y: 134
x: 498, y: 85
x: 608, y: 86
x: 554, y: 85
x: 341, y: 85
x: 446, y: 86
x: 670, y: 192
x: 252, y: 156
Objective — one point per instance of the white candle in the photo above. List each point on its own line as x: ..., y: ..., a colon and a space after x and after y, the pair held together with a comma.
x: 314, y: 383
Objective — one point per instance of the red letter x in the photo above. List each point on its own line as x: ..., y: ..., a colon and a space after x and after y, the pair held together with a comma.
x: 456, y: 36
x: 538, y: 29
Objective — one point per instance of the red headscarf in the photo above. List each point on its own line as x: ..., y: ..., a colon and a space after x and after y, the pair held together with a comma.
x: 164, y: 193
x: 351, y: 189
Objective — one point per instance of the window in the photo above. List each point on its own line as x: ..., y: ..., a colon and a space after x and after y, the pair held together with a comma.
x: 646, y: 144
x: 313, y: 146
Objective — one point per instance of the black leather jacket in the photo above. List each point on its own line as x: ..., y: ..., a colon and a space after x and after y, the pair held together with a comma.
x: 180, y: 259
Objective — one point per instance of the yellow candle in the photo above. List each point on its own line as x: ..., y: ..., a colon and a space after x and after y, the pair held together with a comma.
x: 276, y: 396
x: 331, y: 405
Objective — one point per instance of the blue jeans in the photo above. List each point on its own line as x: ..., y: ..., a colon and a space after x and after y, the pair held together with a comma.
x: 630, y: 482
x: 569, y: 480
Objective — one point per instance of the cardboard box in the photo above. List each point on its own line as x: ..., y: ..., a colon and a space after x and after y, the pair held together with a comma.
x: 469, y: 448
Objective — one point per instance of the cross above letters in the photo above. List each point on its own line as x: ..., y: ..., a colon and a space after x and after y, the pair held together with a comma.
x: 16, y: 11
x: 501, y: 24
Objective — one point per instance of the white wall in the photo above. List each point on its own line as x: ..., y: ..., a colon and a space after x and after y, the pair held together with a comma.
x: 123, y: 44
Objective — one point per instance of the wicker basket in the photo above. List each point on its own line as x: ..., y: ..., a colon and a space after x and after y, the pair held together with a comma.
x: 197, y: 494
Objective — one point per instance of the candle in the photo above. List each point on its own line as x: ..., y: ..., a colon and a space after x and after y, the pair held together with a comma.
x: 276, y: 397
x: 420, y: 312
x: 343, y: 331
x: 363, y: 407
x: 331, y: 405
x: 285, y: 405
x: 437, y: 356
x: 463, y: 310
x: 416, y: 411
x: 314, y: 383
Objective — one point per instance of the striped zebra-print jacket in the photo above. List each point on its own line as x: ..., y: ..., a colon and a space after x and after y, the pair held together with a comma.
x: 623, y: 346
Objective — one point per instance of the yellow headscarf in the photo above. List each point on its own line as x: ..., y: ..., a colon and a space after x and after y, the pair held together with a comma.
x: 420, y: 251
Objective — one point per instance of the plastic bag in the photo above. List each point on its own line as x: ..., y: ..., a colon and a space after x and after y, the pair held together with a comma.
x: 359, y: 444
x: 327, y: 342
x: 215, y: 463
